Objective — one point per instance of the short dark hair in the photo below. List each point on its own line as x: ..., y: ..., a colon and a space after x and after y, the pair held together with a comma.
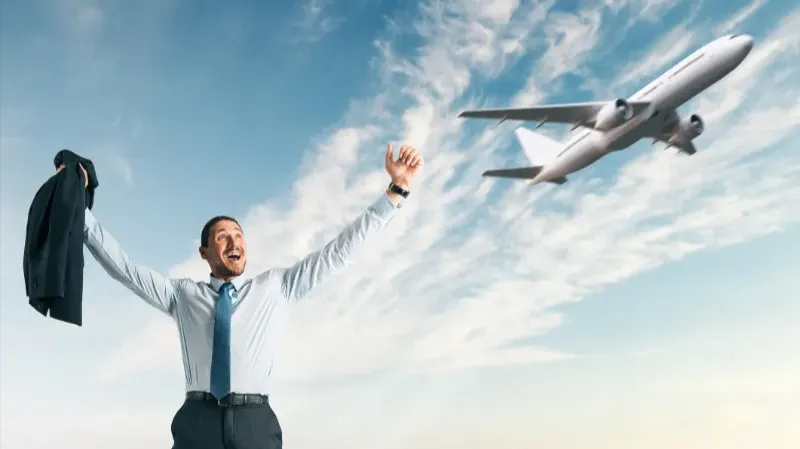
x: 209, y: 224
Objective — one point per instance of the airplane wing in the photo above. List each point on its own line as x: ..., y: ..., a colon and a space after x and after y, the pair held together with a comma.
x: 569, y: 113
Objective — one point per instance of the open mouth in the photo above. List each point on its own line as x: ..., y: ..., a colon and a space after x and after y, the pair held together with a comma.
x: 233, y: 256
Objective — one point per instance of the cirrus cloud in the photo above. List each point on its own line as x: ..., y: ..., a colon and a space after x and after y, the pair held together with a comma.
x: 477, y: 267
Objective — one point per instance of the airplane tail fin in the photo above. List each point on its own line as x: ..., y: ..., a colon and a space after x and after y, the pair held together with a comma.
x: 539, y: 149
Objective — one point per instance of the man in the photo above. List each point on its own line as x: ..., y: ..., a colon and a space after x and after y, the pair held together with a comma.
x: 229, y: 327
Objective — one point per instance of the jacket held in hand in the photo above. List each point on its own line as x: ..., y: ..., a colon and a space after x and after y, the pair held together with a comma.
x: 53, y: 256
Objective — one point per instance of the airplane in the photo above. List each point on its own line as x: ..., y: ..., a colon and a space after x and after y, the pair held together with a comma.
x: 608, y: 126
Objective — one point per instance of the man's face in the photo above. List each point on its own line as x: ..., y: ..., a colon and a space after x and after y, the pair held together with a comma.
x: 226, y: 252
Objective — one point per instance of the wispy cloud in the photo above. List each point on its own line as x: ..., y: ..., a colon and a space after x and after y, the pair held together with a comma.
x: 478, y: 268
x: 651, y: 10
x: 737, y: 19
x: 722, y: 99
x: 666, y: 50
x: 82, y: 23
x: 316, y: 21
x: 123, y: 166
x: 573, y: 38
x: 570, y: 37
x: 82, y: 17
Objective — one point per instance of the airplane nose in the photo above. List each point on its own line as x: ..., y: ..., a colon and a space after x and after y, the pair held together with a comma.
x: 747, y: 42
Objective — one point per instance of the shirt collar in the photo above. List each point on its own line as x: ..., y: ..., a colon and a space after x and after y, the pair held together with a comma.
x: 217, y: 283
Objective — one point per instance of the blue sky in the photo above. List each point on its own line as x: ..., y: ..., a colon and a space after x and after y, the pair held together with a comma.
x: 652, y: 300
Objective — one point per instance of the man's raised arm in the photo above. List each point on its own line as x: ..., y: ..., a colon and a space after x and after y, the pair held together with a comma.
x: 155, y: 289
x: 309, y: 272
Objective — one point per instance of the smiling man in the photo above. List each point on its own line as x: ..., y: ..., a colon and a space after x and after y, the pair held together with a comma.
x: 229, y: 327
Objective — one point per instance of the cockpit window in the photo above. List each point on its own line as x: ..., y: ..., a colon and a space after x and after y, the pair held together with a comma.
x: 734, y: 36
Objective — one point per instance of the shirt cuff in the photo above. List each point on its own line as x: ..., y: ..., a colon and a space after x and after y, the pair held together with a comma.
x: 384, y: 208
x: 89, y: 220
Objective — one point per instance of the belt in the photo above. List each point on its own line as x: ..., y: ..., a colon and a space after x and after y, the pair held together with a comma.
x: 230, y: 400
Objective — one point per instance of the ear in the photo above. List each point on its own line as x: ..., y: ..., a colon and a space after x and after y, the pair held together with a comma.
x: 203, y: 253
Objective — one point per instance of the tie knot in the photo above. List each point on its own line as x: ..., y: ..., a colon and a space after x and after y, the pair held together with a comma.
x: 225, y: 288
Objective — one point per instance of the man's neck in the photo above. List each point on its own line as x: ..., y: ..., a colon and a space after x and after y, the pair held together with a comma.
x: 216, y: 281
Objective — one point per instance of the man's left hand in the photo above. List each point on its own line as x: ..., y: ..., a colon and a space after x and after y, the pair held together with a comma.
x: 405, y: 169
x: 85, y: 175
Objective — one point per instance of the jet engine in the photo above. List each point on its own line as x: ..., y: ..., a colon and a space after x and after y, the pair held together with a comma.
x: 689, y: 128
x: 613, y: 114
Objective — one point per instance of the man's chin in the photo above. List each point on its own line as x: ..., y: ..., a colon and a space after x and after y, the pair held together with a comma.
x: 234, y: 271
x: 237, y: 270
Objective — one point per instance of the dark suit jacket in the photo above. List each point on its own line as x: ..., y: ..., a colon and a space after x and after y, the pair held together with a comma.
x: 53, y: 257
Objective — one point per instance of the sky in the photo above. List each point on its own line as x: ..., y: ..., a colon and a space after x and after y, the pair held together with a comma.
x: 652, y: 301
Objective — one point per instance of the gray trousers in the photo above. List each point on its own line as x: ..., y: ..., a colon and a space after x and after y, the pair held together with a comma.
x: 206, y: 425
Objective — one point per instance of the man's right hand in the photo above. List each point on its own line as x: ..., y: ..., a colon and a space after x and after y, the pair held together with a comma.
x: 85, y: 175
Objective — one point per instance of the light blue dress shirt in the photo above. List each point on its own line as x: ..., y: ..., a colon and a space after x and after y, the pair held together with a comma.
x: 261, y: 305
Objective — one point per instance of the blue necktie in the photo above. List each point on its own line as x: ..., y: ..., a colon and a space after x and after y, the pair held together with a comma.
x: 221, y: 351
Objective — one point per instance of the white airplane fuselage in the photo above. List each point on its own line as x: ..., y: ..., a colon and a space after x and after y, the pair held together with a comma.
x: 681, y: 83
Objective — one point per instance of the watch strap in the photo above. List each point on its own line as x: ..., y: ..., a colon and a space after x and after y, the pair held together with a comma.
x: 398, y: 190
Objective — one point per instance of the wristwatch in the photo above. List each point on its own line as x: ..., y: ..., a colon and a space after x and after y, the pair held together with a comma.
x: 398, y: 190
